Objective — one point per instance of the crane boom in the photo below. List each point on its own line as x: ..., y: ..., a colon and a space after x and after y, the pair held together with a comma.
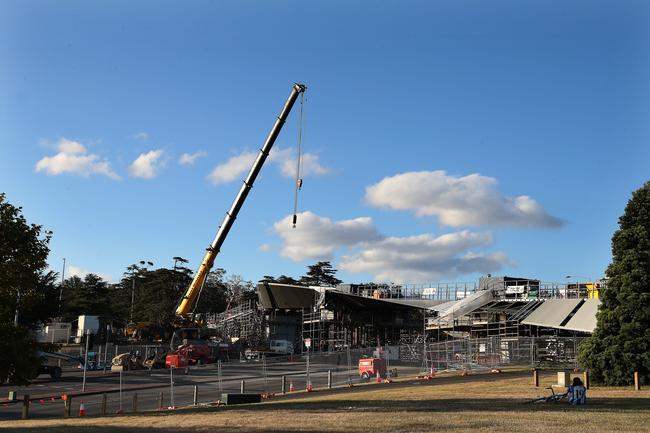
x: 213, y: 250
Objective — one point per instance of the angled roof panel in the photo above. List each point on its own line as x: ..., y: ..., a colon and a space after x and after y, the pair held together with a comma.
x: 585, y: 318
x: 551, y: 313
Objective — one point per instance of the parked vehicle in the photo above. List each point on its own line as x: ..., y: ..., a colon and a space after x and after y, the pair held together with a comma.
x: 369, y: 367
x: 281, y: 347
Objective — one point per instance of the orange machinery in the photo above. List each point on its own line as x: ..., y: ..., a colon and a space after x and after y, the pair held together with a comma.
x: 369, y: 367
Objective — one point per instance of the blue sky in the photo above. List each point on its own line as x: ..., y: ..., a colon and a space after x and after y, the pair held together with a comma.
x: 444, y: 139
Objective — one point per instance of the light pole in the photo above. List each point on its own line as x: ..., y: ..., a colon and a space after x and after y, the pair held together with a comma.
x: 589, y: 279
x: 135, y: 269
x: 61, y: 287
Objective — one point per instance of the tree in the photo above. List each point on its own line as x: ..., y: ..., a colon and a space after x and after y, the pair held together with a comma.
x: 23, y: 260
x: 320, y: 274
x: 19, y: 359
x: 24, y: 287
x: 238, y: 288
x: 282, y: 279
x: 620, y: 343
x: 213, y: 298
x: 156, y: 294
x: 87, y: 296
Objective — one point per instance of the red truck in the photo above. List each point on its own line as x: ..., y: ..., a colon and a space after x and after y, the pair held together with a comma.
x: 192, y: 352
x: 369, y: 367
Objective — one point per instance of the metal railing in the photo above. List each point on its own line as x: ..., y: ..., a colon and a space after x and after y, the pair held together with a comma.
x: 510, y: 289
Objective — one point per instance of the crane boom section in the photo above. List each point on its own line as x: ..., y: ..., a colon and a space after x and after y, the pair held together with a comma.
x: 213, y: 250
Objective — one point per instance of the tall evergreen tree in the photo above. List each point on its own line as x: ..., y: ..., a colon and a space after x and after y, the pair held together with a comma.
x: 620, y: 344
x: 282, y: 279
x: 89, y: 295
x: 320, y: 274
x: 214, y: 296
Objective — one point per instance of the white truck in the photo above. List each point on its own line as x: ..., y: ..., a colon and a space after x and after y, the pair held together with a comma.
x: 281, y: 347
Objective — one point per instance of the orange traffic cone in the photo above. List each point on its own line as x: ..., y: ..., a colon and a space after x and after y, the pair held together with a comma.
x: 291, y: 388
x: 378, y: 377
x: 82, y: 409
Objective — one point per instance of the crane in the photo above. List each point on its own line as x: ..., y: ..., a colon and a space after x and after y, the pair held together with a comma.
x: 192, y: 292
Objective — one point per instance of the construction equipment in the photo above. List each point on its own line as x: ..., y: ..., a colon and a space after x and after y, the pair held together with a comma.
x: 369, y: 367
x: 192, y: 292
x: 127, y: 361
x: 55, y: 371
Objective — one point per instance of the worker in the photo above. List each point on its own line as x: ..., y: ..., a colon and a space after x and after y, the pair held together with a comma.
x: 577, y: 394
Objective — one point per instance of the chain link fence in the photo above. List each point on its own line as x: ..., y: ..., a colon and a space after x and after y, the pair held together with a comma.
x: 497, y: 352
x: 146, y: 390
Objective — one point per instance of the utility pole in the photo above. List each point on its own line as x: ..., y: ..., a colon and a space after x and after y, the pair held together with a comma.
x: 61, y: 287
x: 135, y: 268
x: 132, y: 298
x: 17, y: 304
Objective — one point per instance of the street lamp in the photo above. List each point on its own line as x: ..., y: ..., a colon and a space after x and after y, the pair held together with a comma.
x: 61, y: 287
x: 135, y: 268
x: 589, y: 279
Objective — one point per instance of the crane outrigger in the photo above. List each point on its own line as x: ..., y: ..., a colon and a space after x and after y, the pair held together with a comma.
x: 192, y: 292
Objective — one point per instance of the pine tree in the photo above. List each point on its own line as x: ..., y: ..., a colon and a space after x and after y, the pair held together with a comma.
x: 620, y: 343
x: 320, y: 274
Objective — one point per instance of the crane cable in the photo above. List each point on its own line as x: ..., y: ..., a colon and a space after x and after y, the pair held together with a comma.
x: 298, y: 164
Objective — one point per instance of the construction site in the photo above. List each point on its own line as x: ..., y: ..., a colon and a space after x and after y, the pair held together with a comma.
x: 410, y: 322
x: 497, y: 320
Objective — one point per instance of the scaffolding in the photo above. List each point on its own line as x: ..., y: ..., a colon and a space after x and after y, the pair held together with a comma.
x: 243, y: 321
x: 499, y: 351
x: 325, y: 328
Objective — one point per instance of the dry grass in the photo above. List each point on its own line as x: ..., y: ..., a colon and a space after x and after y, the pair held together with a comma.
x: 477, y: 406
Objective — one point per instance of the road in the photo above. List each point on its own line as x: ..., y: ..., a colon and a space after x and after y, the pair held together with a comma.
x: 148, y: 385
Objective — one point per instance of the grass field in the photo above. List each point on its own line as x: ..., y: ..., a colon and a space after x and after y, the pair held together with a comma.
x: 491, y: 404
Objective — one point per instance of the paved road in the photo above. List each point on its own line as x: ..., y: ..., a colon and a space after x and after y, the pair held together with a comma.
x: 148, y: 385
x: 210, y: 389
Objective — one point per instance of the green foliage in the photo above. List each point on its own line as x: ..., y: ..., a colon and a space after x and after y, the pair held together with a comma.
x: 23, y: 260
x: 42, y: 304
x: 88, y: 296
x: 320, y: 274
x: 282, y: 279
x: 620, y: 344
x: 19, y: 359
x: 214, y: 296
x: 24, y: 287
x: 156, y: 294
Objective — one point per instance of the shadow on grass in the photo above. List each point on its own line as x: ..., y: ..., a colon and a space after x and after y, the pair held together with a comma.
x: 514, y: 408
x: 451, y: 405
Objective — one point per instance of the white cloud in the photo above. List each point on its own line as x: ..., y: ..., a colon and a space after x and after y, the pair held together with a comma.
x: 265, y: 248
x: 232, y: 169
x: 190, y: 158
x: 71, y: 147
x: 238, y: 165
x: 286, y: 159
x: 424, y: 258
x: 147, y: 165
x: 74, y: 271
x: 316, y: 237
x: 143, y: 136
x: 73, y: 157
x: 419, y: 258
x: 458, y: 201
